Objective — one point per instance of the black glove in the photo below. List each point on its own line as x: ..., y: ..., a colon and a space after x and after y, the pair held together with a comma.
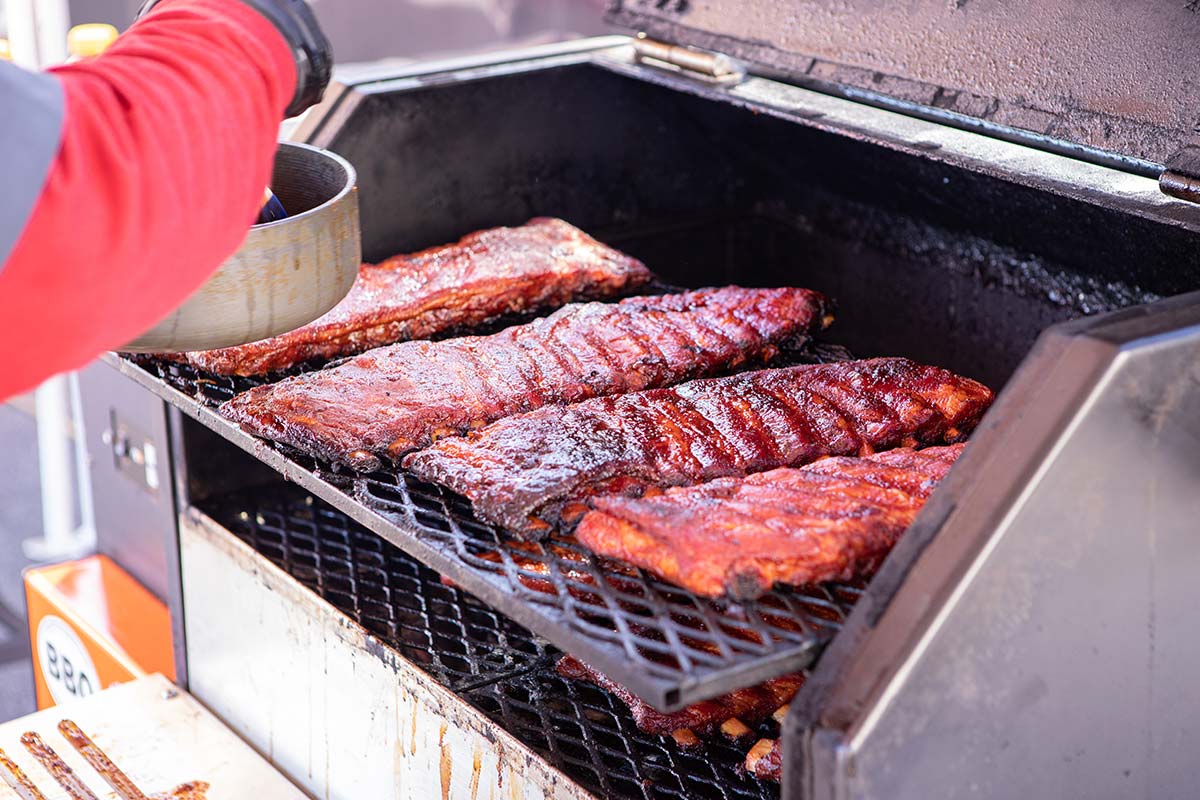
x: 311, y: 49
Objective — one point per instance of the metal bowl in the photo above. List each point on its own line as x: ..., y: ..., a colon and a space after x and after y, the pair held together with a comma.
x: 286, y: 273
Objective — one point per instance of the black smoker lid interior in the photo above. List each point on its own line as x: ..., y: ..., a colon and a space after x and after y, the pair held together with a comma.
x: 1116, y: 76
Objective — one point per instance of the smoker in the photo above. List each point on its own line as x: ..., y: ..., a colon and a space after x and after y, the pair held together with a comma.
x: 1004, y: 189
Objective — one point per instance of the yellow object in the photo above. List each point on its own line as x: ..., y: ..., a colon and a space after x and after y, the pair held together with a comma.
x: 92, y: 625
x: 5, y: 50
x: 90, y: 39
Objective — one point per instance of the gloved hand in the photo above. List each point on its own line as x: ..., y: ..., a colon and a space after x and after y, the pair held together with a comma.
x: 310, y: 47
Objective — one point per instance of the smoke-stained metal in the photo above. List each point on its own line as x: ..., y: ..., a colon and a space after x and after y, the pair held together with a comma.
x: 1112, y: 75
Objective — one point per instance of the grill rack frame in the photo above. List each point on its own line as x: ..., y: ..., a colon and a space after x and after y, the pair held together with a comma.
x: 646, y: 639
x: 503, y: 670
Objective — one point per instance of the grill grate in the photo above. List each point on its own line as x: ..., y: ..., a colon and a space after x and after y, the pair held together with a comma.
x: 666, y: 645
x: 659, y: 628
x: 499, y: 667
x: 398, y: 600
x: 590, y: 736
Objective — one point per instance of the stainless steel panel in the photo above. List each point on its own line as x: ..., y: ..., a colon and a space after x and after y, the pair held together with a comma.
x: 135, y: 516
x: 340, y: 713
x: 135, y: 501
x: 1043, y: 644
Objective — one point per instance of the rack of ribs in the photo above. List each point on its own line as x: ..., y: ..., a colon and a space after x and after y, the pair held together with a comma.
x: 540, y: 265
x: 392, y: 400
x: 834, y: 519
x: 532, y: 472
x: 749, y: 706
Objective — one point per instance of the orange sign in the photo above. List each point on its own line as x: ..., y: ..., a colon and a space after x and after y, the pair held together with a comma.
x: 91, y: 625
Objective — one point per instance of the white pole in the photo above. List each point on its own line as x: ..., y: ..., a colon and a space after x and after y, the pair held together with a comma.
x: 21, y: 16
x: 37, y: 31
x: 56, y: 472
x: 53, y: 24
x: 85, y: 535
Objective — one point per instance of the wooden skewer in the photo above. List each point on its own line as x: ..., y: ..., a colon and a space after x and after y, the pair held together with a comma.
x: 58, y: 769
x: 15, y: 777
x: 99, y: 761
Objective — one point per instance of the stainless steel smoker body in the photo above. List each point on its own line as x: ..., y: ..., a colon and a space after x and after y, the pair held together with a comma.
x: 1031, y: 634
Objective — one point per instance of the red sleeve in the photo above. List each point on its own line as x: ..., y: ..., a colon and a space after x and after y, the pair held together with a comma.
x: 167, y: 143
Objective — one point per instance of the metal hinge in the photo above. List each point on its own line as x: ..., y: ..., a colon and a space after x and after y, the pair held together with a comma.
x: 1181, y: 178
x: 716, y: 66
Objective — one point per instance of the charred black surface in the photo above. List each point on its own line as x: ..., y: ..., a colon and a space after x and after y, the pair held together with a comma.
x: 959, y: 268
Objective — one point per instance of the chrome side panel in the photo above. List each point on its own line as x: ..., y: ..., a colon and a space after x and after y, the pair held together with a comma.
x: 1043, y: 644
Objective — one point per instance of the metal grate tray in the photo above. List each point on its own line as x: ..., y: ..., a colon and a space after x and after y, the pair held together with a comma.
x: 667, y: 646
x: 496, y: 665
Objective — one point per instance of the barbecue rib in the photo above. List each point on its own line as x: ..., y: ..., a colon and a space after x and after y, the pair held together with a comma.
x: 765, y: 760
x: 834, y: 519
x: 540, y: 265
x: 530, y: 472
x: 386, y: 402
x: 751, y: 705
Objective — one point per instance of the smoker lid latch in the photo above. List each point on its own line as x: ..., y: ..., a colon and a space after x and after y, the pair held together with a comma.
x: 1181, y: 178
x: 715, y: 66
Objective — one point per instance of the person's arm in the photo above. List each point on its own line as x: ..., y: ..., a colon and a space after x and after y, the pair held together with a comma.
x: 167, y: 142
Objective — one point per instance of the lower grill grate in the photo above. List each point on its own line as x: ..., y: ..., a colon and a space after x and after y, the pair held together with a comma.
x: 669, y: 647
x: 499, y: 667
x: 397, y: 599
x: 591, y: 737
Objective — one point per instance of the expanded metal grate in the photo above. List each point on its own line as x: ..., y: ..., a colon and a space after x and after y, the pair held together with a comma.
x: 666, y: 645
x: 658, y: 629
x: 502, y: 669
x: 590, y: 736
x: 462, y: 643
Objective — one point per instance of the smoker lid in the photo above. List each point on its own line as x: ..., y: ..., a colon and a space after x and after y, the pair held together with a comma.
x: 1114, y: 75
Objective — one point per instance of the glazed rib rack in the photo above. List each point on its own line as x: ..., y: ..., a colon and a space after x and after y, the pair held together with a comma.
x: 667, y: 646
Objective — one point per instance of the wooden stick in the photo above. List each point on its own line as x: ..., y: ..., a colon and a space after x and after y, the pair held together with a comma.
x: 58, y: 769
x: 99, y: 761
x: 15, y: 777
